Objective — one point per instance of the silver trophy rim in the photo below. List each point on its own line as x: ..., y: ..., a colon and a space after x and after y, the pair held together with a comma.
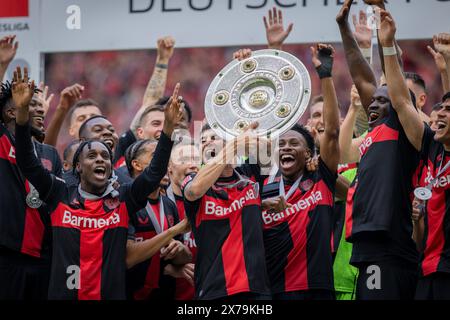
x: 275, y: 131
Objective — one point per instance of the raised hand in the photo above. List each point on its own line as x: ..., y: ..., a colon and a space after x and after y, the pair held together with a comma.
x: 22, y: 93
x: 173, y: 112
x: 342, y: 16
x: 378, y: 3
x: 439, y: 59
x: 322, y: 59
x: 362, y: 33
x: 387, y: 29
x: 165, y: 49
x: 242, y: 54
x: 275, y: 32
x: 442, y: 44
x: 8, y: 49
x: 70, y: 95
x: 42, y: 95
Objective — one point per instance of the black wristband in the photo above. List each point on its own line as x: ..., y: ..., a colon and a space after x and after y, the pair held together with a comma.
x: 324, y: 70
x: 162, y: 65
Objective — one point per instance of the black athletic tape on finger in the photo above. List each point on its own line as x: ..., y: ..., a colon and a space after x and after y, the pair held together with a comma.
x: 324, y: 70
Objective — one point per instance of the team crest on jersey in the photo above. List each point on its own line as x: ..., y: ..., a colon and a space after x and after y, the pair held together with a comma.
x: 47, y: 164
x: 170, y: 220
x: 307, y: 184
x: 111, y: 203
x: 143, y: 220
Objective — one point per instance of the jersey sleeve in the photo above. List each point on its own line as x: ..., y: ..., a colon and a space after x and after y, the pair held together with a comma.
x: 190, y: 207
x: 58, y: 168
x: 176, y: 218
x: 131, y: 231
x: 50, y: 188
x: 327, y: 175
x: 149, y: 180
x: 427, y: 142
x: 125, y: 140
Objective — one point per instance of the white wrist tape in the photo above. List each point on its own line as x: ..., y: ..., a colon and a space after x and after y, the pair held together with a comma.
x: 389, y: 51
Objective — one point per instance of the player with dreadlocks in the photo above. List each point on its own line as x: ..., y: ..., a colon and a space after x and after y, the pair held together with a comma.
x: 24, y: 236
x: 90, y: 222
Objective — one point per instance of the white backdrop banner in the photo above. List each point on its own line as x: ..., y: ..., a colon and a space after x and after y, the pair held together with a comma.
x: 88, y: 25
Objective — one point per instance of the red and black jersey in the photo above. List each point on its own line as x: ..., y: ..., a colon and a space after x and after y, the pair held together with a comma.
x: 298, y: 240
x: 146, y: 280
x: 436, y: 255
x: 228, y: 231
x: 23, y: 229
x: 89, y: 233
x: 125, y: 140
x: 184, y: 290
x: 379, y: 224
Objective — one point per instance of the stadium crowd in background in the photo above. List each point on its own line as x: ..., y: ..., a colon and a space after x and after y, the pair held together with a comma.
x: 133, y: 207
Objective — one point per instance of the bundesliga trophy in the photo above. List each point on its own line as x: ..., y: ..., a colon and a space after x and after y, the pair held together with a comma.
x: 271, y: 87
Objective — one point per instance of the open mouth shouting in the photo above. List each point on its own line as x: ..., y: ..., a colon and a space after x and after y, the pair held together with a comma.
x: 373, y: 116
x: 441, y: 124
x: 287, y: 161
x: 38, y: 121
x: 109, y: 142
x: 100, y: 172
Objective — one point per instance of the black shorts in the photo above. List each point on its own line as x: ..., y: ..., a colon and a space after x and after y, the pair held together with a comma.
x: 434, y: 287
x: 23, y: 277
x: 386, y: 280
x: 313, y: 294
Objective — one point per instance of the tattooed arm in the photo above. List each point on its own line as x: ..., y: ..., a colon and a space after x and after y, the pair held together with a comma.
x: 157, y: 84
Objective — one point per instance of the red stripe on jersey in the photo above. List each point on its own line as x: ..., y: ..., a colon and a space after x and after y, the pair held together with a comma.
x: 120, y: 162
x: 299, y: 272
x: 236, y: 277
x: 33, y: 231
x: 16, y: 8
x: 91, y: 259
x: 180, y: 208
x: 349, y: 211
x: 92, y: 221
x: 380, y: 134
x: 298, y: 218
x: 153, y: 272
x: 7, y: 150
x: 436, y: 209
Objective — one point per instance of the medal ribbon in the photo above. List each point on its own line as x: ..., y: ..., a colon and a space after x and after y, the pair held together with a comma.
x: 159, y: 227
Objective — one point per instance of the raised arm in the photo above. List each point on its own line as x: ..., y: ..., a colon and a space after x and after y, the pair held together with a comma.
x: 27, y: 161
x: 360, y: 70
x: 347, y: 145
x: 45, y: 97
x: 396, y: 84
x: 442, y: 58
x: 157, y: 83
x: 363, y: 35
x: 149, y: 180
x: 322, y: 58
x: 209, y: 173
x: 69, y: 96
x: 8, y: 49
x: 275, y: 32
